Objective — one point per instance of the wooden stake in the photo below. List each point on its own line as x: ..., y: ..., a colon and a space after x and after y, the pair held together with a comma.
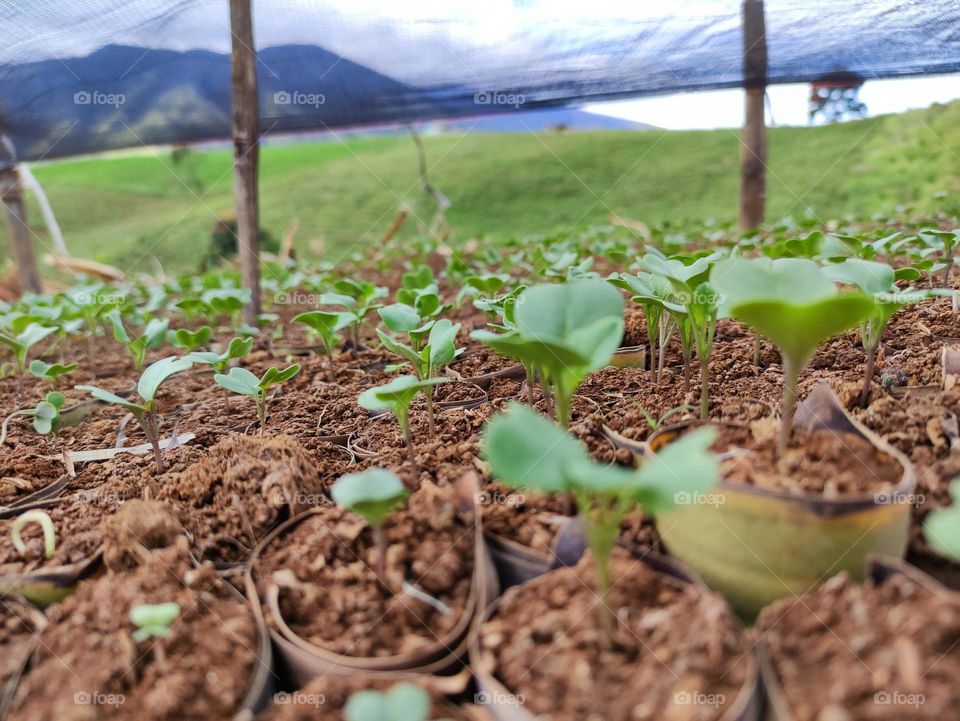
x: 753, y: 170
x: 11, y: 189
x: 246, y: 119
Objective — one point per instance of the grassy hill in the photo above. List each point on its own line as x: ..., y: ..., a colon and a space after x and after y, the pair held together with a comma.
x: 128, y: 209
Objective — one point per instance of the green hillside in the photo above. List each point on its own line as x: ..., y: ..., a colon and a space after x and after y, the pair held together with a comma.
x: 128, y: 209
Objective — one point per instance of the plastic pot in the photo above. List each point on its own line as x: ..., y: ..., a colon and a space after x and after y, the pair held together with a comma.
x: 634, y: 356
x: 501, y: 702
x: 756, y: 545
x: 305, y: 661
x: 879, y: 569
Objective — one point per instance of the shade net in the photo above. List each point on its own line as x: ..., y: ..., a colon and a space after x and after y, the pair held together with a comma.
x: 92, y: 75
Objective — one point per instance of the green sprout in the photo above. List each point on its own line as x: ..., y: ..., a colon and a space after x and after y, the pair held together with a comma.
x: 236, y: 349
x: 46, y: 525
x: 153, y: 619
x: 373, y: 494
x: 145, y: 412
x: 327, y: 325
x: 244, y: 383
x: 402, y: 702
x: 190, y: 340
x: 440, y: 349
x: 526, y: 451
x: 564, y: 332
x: 153, y: 336
x: 875, y: 280
x: 22, y: 342
x: 396, y: 396
x: 700, y: 301
x: 794, y: 304
x: 50, y: 372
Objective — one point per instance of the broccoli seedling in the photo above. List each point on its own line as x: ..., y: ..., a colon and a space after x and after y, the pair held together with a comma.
x: 941, y: 529
x: 794, y: 304
x: 153, y: 336
x: 22, y: 342
x: 875, y: 280
x: 528, y: 452
x: 46, y: 525
x: 153, y: 620
x: 327, y: 325
x: 564, y: 332
x: 50, y: 372
x: 145, y: 412
x: 373, y: 494
x: 396, y: 396
x: 245, y: 383
x: 236, y: 349
x: 439, y: 350
x: 190, y: 340
x: 402, y: 702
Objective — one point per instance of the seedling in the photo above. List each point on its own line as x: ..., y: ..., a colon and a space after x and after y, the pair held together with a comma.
x: 190, y: 340
x: 526, y: 451
x: 941, y: 529
x: 947, y: 241
x: 373, y: 494
x: 46, y: 525
x: 875, y: 280
x: 153, y: 620
x: 365, y: 296
x: 50, y: 372
x: 22, y: 342
x: 403, y: 702
x: 439, y: 350
x: 700, y: 300
x: 564, y: 332
x: 236, y: 349
x: 794, y: 304
x: 396, y: 396
x: 327, y: 325
x: 245, y: 383
x: 145, y: 412
x: 153, y: 336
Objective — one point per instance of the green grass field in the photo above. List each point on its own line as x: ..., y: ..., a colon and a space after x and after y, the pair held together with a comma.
x: 128, y: 209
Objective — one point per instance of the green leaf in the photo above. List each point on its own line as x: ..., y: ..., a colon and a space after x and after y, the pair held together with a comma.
x: 397, y: 393
x: 108, y: 397
x: 941, y: 529
x: 152, y: 615
x: 187, y: 339
x: 551, y: 311
x: 399, y: 349
x: 869, y: 276
x: 373, y: 494
x: 50, y: 371
x: 685, y: 466
x: 442, y: 342
x: 403, y: 702
x: 157, y: 373
x: 119, y: 332
x: 400, y: 318
x: 239, y: 380
x: 274, y: 376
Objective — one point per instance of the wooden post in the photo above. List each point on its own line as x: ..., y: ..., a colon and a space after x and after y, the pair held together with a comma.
x: 246, y: 121
x: 11, y: 189
x: 753, y: 166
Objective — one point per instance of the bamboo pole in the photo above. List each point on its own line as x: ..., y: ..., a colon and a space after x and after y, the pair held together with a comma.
x: 753, y: 166
x: 21, y: 245
x: 246, y: 113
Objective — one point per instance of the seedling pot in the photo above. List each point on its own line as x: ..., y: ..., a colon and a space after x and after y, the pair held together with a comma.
x: 879, y: 569
x: 756, y: 545
x: 45, y: 586
x: 305, y: 661
x: 502, y: 704
x: 516, y: 563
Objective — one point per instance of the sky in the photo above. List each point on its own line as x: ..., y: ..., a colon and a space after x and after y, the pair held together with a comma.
x: 685, y: 111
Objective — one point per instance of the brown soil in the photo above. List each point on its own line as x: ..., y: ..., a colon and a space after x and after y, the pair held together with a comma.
x: 674, y: 643
x: 329, y: 591
x: 325, y: 697
x: 850, y: 652
x: 87, y: 666
x: 823, y: 463
x: 233, y: 496
x: 18, y: 627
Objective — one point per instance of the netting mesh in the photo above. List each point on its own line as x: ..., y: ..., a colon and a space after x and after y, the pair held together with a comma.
x: 91, y: 75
